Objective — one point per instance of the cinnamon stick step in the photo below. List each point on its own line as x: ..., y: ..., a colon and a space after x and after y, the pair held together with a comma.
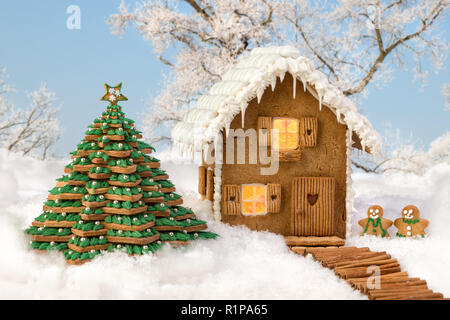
x: 395, y: 291
x: 433, y: 296
x: 337, y: 256
x: 357, y: 258
x: 340, y: 251
x: 366, y: 264
x: 389, y: 286
x: 361, y: 283
x: 364, y: 269
x: 415, y: 296
x: 363, y: 273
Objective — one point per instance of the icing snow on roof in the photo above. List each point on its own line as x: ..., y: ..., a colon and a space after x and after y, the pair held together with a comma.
x: 248, y: 79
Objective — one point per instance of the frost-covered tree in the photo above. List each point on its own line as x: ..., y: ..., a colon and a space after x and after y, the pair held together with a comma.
x: 354, y: 42
x: 398, y: 156
x: 439, y: 151
x: 404, y: 156
x: 30, y: 131
x: 446, y: 95
x: 208, y: 37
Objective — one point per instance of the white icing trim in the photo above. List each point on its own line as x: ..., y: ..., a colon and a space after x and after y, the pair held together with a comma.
x: 217, y: 192
x: 248, y: 79
x: 349, y: 195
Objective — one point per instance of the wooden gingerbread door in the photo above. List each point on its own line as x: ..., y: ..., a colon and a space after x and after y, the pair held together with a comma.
x: 312, y: 206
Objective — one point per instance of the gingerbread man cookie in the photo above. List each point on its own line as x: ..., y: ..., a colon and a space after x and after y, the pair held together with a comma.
x: 375, y: 224
x: 410, y: 224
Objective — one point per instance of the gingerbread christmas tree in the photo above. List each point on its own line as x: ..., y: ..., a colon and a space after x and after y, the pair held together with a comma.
x: 114, y: 196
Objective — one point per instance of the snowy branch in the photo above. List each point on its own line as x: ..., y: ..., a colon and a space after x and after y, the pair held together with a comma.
x: 32, y: 131
x: 404, y: 156
x: 446, y: 95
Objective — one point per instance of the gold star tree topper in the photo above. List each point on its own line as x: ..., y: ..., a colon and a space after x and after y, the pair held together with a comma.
x: 113, y: 94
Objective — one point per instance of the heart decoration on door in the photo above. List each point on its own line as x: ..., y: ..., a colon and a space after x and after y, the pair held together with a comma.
x: 312, y: 199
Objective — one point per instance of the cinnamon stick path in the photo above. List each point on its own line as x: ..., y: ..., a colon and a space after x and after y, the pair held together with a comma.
x: 357, y: 266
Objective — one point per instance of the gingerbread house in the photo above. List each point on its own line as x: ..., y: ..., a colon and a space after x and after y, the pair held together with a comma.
x: 298, y: 116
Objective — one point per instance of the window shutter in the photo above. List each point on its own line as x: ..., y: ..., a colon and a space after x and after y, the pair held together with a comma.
x: 202, y: 180
x: 273, y: 198
x: 308, y: 131
x: 290, y: 155
x: 210, y: 184
x: 264, y: 128
x: 231, y: 199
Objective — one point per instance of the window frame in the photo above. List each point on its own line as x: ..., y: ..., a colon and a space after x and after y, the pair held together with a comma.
x: 266, y: 211
x: 285, y: 133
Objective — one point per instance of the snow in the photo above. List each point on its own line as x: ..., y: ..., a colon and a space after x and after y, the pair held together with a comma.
x: 241, y: 264
x: 248, y: 79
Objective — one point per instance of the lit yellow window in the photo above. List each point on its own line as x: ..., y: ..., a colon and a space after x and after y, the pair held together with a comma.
x: 254, y: 199
x: 285, y: 133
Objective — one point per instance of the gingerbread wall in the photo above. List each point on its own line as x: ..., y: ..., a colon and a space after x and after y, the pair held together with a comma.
x: 326, y: 159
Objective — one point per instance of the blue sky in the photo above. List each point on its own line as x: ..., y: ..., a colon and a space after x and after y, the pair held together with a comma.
x: 37, y: 47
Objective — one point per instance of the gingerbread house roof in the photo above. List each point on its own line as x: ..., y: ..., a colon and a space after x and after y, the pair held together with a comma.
x: 247, y: 80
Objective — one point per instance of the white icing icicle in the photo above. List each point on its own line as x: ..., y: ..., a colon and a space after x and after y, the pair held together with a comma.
x: 294, y: 87
x: 259, y: 93
x: 248, y: 80
x: 273, y: 83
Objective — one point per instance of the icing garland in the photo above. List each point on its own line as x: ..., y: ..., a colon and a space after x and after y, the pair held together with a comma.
x: 374, y: 225
x: 410, y: 221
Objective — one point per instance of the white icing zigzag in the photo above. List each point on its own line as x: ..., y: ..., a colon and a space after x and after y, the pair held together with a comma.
x: 248, y: 79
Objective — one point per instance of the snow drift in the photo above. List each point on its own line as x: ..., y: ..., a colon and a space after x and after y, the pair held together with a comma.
x: 241, y: 264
